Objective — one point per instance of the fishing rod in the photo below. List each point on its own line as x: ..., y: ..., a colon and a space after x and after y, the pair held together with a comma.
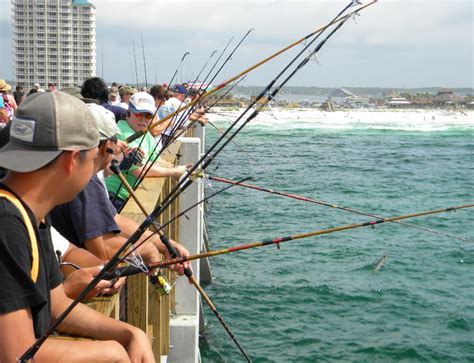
x: 177, y: 68
x: 176, y: 126
x: 251, y: 68
x: 327, y: 204
x: 176, y: 132
x: 175, y: 254
x: 130, y: 270
x: 229, y: 57
x: 144, y: 62
x: 182, y: 117
x: 204, y: 161
x: 208, y: 157
x: 143, y: 137
x: 135, y: 58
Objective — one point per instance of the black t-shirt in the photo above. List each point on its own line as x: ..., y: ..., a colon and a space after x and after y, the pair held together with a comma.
x: 17, y: 289
x: 89, y: 215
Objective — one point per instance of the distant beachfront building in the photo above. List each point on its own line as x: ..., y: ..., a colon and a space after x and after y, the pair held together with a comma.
x: 53, y: 41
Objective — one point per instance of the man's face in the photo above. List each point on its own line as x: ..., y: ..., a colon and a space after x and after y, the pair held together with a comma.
x: 139, y: 120
x: 84, y: 168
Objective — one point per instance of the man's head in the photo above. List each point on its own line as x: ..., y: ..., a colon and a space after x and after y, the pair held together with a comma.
x: 179, y: 92
x: 108, y: 130
x: 114, y: 95
x: 45, y: 125
x: 51, y: 87
x: 126, y: 92
x: 141, y: 109
x: 55, y: 135
x: 96, y: 89
x: 160, y: 94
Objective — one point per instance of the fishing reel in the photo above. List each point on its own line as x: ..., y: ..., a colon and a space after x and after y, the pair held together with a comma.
x: 160, y: 283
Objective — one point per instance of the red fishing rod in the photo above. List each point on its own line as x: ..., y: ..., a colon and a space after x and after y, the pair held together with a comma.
x: 131, y: 270
x: 327, y: 204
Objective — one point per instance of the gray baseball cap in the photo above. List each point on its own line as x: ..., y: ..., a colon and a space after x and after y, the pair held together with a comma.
x: 105, y: 121
x: 44, y: 125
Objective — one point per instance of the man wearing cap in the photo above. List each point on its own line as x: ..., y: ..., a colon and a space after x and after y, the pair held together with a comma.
x: 50, y: 157
x: 139, y: 115
x: 125, y: 93
x: 90, y: 220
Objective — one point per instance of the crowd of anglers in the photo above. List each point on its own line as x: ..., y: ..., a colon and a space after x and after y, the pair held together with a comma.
x: 57, y: 147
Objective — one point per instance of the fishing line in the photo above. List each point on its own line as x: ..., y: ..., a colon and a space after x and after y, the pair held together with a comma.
x: 125, y: 271
x: 327, y: 204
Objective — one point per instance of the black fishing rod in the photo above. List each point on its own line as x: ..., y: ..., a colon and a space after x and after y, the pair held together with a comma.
x: 229, y: 57
x: 207, y: 158
x: 327, y: 204
x: 177, y: 68
x: 175, y: 133
x: 144, y: 62
x: 179, y: 119
x: 225, y: 139
x: 115, y: 259
x: 175, y: 254
x: 176, y: 125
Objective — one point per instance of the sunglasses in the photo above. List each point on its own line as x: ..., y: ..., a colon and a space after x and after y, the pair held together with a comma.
x: 114, y: 139
x: 143, y: 114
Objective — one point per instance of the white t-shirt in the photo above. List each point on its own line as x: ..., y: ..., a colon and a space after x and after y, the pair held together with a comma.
x: 60, y: 243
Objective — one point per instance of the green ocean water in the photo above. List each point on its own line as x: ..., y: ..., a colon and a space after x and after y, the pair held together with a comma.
x: 316, y: 299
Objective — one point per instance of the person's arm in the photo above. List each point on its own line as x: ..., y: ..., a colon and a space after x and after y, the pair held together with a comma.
x: 84, y: 321
x: 80, y: 257
x: 160, y: 171
x: 19, y: 325
x: 128, y: 226
x: 105, y: 246
x: 77, y: 281
x: 157, y: 130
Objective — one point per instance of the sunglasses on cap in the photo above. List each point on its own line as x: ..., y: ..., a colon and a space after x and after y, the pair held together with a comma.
x: 143, y: 114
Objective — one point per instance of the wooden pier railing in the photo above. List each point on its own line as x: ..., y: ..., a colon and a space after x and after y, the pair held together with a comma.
x: 171, y: 321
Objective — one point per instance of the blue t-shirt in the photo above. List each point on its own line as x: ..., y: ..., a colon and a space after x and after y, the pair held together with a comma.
x: 89, y: 215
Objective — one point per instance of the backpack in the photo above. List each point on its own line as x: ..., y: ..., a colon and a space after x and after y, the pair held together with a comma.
x: 31, y: 231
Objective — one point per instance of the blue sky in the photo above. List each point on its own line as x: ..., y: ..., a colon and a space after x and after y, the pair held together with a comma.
x: 394, y: 43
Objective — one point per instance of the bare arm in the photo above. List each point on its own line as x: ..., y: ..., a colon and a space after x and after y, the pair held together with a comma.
x: 20, y: 337
x: 160, y: 171
x: 84, y: 321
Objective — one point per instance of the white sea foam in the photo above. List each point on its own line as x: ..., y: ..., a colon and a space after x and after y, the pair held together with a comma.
x: 403, y: 120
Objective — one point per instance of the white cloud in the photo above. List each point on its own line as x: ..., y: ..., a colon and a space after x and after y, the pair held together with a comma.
x: 421, y: 40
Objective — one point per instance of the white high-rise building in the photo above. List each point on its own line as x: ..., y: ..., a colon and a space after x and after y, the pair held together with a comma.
x: 53, y: 41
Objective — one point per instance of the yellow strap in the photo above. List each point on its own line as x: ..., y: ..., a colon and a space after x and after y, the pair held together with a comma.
x: 26, y: 218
